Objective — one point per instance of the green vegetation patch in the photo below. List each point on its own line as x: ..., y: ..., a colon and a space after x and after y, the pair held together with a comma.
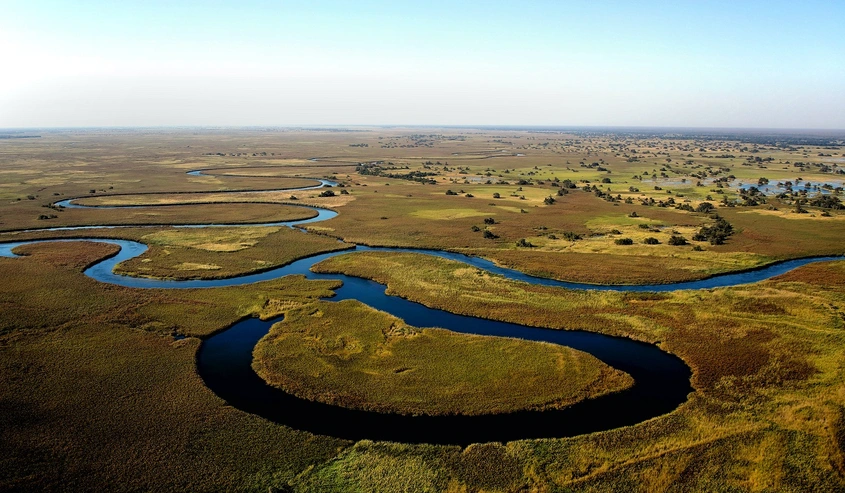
x: 193, y: 253
x: 349, y: 354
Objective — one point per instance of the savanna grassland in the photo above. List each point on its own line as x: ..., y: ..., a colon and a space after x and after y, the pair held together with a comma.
x: 99, y: 388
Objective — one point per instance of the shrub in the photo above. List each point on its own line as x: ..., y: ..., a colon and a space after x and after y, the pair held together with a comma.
x: 489, y: 234
x: 676, y: 240
x: 651, y: 241
x: 489, y: 220
x: 523, y: 243
x: 716, y: 234
x: 623, y: 241
x: 705, y: 207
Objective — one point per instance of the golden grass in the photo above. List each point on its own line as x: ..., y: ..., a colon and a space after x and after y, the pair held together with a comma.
x: 91, y: 378
x: 96, y: 395
x: 767, y: 368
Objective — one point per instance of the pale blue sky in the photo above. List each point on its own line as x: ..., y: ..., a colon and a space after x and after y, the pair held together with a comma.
x: 711, y: 64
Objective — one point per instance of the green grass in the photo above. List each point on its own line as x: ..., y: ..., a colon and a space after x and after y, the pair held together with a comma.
x: 766, y: 362
x: 222, y: 252
x: 351, y: 355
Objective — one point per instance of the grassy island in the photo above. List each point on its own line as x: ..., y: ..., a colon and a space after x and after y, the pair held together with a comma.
x: 349, y: 354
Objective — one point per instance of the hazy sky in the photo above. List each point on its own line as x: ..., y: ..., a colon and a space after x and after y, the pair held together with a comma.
x: 683, y: 63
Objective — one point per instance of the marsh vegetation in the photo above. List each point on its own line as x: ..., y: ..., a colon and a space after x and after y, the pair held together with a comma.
x: 351, y: 355
x: 100, y: 380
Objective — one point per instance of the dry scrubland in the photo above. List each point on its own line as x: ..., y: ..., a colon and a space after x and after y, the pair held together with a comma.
x: 97, y: 393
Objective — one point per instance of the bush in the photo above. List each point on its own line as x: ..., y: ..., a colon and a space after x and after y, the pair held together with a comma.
x: 489, y: 235
x: 623, y: 241
x: 651, y: 241
x: 327, y: 193
x: 676, y: 240
x: 704, y: 207
x: 497, y: 195
x: 489, y: 220
x: 523, y: 243
x: 716, y: 234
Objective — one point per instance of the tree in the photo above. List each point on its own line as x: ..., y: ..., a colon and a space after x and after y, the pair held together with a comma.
x: 676, y: 240
x: 704, y: 207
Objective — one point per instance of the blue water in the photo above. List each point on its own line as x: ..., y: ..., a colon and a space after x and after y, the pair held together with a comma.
x: 224, y: 360
x: 809, y: 187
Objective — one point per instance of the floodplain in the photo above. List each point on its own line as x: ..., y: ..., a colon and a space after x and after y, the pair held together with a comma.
x: 99, y: 382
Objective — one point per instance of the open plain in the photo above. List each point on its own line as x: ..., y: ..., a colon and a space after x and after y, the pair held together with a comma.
x: 99, y: 382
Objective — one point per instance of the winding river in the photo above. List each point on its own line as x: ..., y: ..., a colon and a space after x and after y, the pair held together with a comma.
x: 662, y: 381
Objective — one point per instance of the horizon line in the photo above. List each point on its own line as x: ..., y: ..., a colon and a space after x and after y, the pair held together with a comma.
x: 515, y: 127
